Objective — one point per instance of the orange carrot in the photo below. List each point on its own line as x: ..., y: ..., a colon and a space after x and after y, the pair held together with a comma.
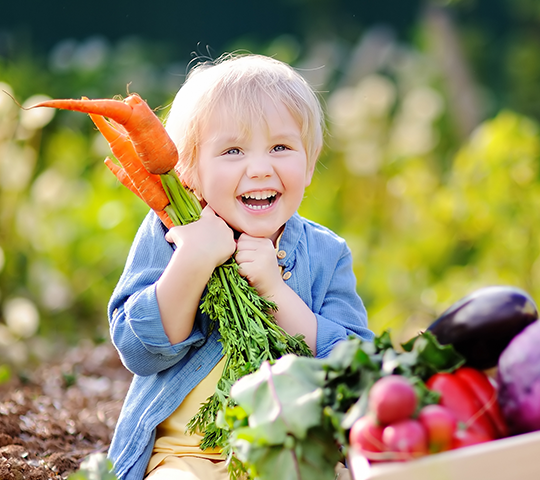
x: 125, y: 180
x: 122, y: 176
x: 146, y: 152
x: 164, y: 217
x: 149, y: 186
x: 155, y: 148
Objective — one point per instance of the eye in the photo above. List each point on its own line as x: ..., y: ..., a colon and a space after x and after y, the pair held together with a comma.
x: 232, y: 151
x: 280, y: 148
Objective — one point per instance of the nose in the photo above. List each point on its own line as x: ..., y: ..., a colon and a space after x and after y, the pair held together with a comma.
x: 259, y: 166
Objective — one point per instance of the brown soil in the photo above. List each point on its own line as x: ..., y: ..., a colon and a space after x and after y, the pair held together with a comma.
x: 52, y: 418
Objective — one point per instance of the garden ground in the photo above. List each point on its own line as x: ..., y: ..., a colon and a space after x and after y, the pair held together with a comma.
x: 56, y: 415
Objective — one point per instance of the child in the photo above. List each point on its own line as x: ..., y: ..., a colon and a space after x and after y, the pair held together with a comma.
x: 249, y: 131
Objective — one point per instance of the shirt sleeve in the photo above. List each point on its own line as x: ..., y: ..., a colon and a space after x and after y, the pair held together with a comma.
x: 341, y: 312
x: 135, y: 321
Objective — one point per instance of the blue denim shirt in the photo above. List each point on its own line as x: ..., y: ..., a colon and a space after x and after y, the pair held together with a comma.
x: 320, y: 267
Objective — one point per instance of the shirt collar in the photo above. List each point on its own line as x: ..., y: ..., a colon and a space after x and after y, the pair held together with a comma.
x: 289, y: 239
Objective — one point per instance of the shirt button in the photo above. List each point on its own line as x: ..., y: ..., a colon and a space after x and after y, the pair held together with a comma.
x: 287, y: 275
x: 281, y: 254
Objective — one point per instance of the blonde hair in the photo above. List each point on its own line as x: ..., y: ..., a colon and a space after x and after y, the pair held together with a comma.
x: 240, y: 82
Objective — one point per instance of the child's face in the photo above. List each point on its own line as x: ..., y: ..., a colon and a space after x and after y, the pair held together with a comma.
x: 254, y: 182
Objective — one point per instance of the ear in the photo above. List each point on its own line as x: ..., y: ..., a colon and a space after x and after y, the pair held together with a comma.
x: 311, y: 168
x: 309, y: 174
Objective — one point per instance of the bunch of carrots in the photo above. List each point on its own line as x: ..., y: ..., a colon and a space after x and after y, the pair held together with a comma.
x: 147, y: 158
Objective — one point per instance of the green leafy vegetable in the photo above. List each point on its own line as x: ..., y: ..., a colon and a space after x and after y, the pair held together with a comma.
x: 292, y: 418
x: 430, y: 356
x: 284, y: 437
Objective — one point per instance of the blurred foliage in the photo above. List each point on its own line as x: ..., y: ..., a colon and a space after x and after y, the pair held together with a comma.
x: 95, y: 466
x: 429, y: 216
x: 431, y: 210
x: 423, y: 238
x: 65, y: 228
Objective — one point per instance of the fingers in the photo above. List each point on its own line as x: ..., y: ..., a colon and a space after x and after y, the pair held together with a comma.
x: 250, y: 248
x: 257, y: 262
x: 173, y: 232
x: 246, y: 242
x: 170, y: 235
x: 254, y: 253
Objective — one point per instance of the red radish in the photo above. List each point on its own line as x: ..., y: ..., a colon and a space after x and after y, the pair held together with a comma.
x: 406, y: 439
x: 392, y: 398
x: 440, y: 425
x: 366, y: 436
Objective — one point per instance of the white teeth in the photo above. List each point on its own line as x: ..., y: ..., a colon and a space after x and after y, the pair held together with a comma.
x: 258, y: 207
x: 260, y: 195
x: 250, y: 198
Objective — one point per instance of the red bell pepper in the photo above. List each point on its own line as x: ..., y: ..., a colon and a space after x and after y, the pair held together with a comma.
x: 485, y: 391
x: 472, y: 399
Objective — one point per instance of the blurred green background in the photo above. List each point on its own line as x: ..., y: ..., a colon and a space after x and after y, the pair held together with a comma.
x: 430, y: 171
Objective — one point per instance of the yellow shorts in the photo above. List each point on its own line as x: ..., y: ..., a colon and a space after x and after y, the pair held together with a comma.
x: 189, y: 468
x: 197, y: 468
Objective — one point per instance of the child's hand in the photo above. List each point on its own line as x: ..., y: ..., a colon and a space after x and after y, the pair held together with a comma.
x: 209, y: 239
x: 257, y: 260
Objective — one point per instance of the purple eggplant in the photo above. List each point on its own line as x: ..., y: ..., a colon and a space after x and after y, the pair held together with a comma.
x: 482, y: 324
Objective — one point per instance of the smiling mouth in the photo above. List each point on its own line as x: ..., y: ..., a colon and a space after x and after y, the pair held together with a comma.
x: 259, y: 200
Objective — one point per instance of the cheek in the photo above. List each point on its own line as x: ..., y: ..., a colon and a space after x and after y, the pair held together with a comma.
x: 215, y: 186
x: 297, y: 177
x: 191, y: 179
x: 202, y: 179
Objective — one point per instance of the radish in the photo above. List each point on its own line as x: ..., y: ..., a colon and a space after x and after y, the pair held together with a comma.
x: 366, y: 436
x: 519, y: 381
x: 406, y: 439
x: 392, y: 398
x: 440, y: 425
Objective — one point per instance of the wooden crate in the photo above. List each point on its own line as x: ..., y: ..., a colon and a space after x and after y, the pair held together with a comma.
x: 513, y: 458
